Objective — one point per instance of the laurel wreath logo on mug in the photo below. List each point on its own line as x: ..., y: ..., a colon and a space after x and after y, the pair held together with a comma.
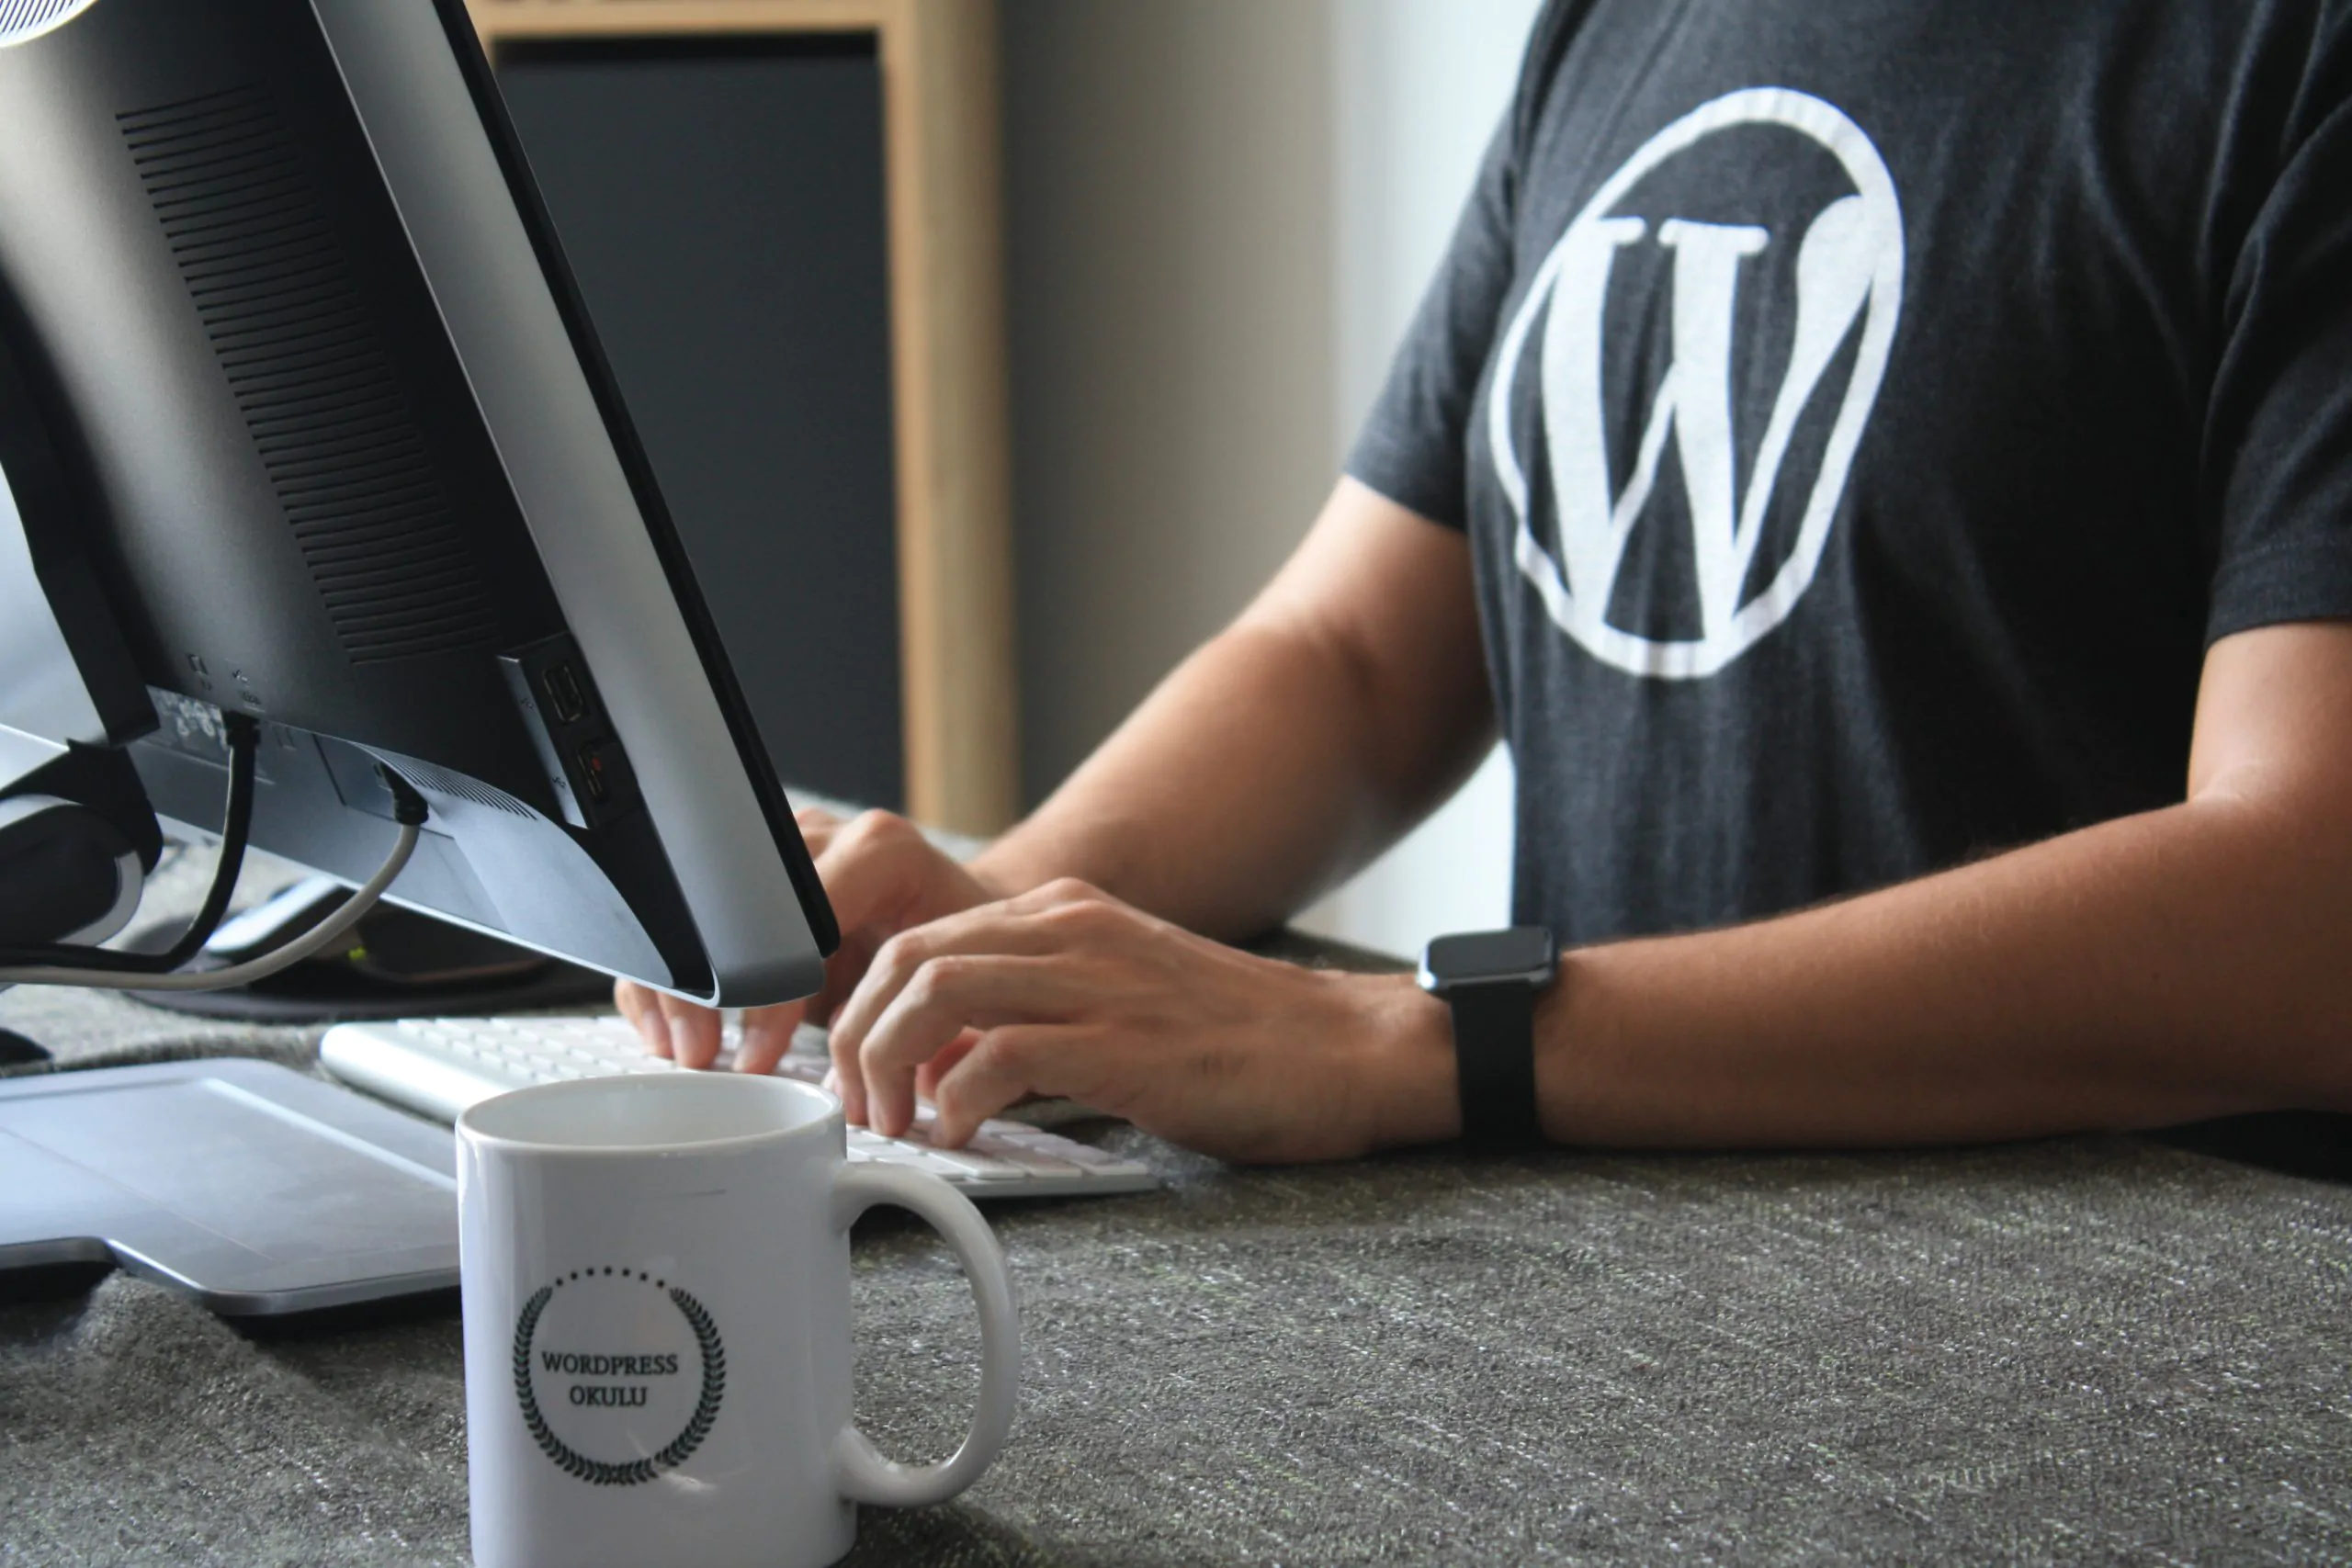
x: 613, y: 1234
x: 606, y: 1402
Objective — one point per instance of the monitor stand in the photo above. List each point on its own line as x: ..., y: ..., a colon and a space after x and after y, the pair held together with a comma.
x: 398, y: 964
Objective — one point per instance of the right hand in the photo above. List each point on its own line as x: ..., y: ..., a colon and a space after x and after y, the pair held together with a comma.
x: 883, y: 877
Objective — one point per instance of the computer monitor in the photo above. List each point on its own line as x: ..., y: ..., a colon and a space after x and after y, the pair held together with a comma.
x: 302, y: 419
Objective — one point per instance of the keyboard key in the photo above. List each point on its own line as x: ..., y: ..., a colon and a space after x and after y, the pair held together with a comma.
x: 1039, y: 1164
x: 978, y: 1167
x: 1097, y: 1159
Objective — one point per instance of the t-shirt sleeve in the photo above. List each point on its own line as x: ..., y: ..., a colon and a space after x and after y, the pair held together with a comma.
x: 1413, y: 448
x: 2278, y: 436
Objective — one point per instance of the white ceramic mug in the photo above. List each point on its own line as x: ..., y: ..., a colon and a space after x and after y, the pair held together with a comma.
x: 657, y: 1322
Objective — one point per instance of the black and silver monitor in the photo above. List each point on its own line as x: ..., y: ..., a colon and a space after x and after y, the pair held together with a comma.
x: 302, y: 419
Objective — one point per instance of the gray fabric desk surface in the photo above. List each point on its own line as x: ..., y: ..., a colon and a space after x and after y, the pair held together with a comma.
x: 2089, y: 1351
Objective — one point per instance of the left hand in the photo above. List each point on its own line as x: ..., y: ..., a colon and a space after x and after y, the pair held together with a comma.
x: 1066, y: 991
x: 882, y: 876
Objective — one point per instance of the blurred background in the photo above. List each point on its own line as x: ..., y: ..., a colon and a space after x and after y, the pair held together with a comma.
x: 1220, y: 217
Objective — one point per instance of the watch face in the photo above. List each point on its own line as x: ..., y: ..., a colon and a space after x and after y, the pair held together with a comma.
x: 1522, y: 952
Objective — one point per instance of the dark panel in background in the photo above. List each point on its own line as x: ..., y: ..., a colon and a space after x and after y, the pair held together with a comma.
x: 722, y: 203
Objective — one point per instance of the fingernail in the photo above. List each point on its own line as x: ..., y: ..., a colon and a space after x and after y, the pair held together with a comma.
x: 660, y: 1030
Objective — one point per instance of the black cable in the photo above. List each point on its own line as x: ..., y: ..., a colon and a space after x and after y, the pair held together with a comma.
x: 319, y: 939
x: 409, y: 808
x: 236, y: 831
x: 236, y: 827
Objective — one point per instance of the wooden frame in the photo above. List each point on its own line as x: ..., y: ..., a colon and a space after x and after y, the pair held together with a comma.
x: 940, y: 114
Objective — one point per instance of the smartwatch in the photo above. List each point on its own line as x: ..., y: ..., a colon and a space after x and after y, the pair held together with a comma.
x: 1488, y: 980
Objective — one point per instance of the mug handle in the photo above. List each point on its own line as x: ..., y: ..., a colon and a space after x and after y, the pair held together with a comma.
x: 859, y: 1468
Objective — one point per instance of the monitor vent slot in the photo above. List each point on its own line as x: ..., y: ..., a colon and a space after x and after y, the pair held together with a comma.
x: 439, y: 781
x: 23, y: 19
x: 306, y: 361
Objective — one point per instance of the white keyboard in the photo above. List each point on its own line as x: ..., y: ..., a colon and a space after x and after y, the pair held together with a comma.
x: 440, y: 1065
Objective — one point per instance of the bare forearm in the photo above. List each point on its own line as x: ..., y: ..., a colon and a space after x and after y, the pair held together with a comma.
x: 2182, y: 964
x: 1227, y: 800
x: 1347, y: 701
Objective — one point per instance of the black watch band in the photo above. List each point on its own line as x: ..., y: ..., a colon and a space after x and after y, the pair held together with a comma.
x: 1494, y: 1054
x: 1489, y: 980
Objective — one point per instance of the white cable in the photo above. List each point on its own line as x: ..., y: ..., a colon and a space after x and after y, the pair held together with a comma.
x: 316, y: 939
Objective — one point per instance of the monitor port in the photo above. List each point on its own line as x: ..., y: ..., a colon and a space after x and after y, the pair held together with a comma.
x: 594, y: 782
x: 566, y: 701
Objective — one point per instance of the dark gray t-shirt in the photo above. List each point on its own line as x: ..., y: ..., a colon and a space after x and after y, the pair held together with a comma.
x: 1864, y: 415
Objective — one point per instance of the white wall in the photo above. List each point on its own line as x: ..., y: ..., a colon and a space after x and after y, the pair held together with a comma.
x: 1221, y: 216
x: 1169, y: 254
x: 1422, y: 83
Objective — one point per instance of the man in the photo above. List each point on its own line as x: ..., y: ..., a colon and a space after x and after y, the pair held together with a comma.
x: 1887, y: 471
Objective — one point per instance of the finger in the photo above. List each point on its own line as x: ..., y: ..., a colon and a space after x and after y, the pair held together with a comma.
x: 1006, y: 929
x: 947, y: 996
x: 880, y: 876
x: 1002, y: 1068
x: 843, y: 971
x: 694, y: 1033
x: 767, y: 1035
x: 849, y: 963
x: 876, y: 870
x: 927, y: 1077
x: 816, y: 825
x: 849, y: 1086
x: 640, y: 1007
